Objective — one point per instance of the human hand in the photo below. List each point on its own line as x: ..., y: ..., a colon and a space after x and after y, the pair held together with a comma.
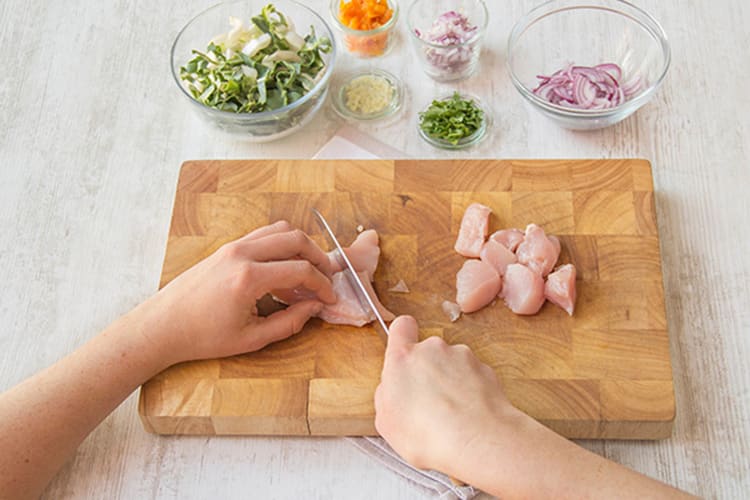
x: 210, y: 310
x: 435, y: 401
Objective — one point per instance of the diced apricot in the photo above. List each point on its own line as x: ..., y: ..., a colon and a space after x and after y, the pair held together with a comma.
x: 364, y: 15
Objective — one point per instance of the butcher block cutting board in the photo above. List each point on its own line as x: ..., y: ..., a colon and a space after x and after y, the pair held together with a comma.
x: 603, y: 373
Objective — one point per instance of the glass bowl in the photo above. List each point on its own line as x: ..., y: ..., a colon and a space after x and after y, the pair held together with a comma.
x: 366, y: 43
x: 392, y: 105
x: 261, y: 126
x: 447, y: 60
x: 560, y: 33
x: 465, y: 142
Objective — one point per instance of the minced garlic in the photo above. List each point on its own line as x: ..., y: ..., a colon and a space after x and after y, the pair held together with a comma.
x: 368, y: 94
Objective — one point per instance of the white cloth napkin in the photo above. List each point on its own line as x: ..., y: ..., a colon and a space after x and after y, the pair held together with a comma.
x: 351, y: 144
x: 429, y: 482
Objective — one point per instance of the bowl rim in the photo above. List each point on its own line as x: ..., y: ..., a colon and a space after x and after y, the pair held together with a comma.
x: 525, y: 21
x: 364, y: 33
x: 478, y: 36
x: 321, y: 83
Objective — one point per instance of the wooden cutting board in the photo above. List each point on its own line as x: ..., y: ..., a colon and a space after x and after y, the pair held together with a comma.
x: 604, y: 373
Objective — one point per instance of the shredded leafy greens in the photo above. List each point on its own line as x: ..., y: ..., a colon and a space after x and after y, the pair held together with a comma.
x: 452, y: 119
x: 258, y: 68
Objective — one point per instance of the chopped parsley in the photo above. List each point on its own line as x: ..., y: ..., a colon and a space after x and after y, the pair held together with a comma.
x: 451, y: 119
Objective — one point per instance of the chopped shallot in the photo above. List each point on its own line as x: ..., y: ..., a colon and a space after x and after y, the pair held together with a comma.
x: 450, y: 52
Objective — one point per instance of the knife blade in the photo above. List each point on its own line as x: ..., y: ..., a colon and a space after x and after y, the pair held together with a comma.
x: 365, y: 300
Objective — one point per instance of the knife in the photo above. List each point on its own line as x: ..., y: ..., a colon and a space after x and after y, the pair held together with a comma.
x: 365, y: 300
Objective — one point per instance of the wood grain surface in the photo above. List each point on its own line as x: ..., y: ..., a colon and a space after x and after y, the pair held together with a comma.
x: 92, y: 135
x: 603, y: 373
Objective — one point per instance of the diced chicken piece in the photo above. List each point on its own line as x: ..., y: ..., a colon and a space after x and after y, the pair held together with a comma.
x: 497, y: 255
x: 348, y: 310
x: 452, y: 309
x: 537, y: 251
x: 363, y: 253
x: 473, y: 230
x: 556, y: 242
x: 560, y: 288
x: 509, y: 238
x: 477, y: 284
x: 399, y: 287
x: 523, y: 289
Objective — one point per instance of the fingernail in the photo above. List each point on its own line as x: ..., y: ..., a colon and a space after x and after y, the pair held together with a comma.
x: 317, y: 308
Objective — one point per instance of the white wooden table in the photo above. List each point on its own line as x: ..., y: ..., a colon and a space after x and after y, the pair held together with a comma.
x: 93, y: 131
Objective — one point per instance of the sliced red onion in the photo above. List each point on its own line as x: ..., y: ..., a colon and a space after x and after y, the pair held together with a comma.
x: 585, y: 87
x: 453, y: 30
x: 614, y: 70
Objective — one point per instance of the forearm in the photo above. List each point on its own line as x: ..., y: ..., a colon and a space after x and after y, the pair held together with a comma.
x: 523, y: 459
x: 44, y: 419
x: 209, y: 311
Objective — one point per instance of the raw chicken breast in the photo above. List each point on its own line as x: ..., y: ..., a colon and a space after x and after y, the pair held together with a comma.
x: 363, y: 253
x: 537, y: 251
x: 477, y: 284
x: 497, y: 255
x: 293, y: 295
x: 348, y: 310
x: 523, y: 289
x: 509, y: 238
x: 560, y: 288
x: 473, y: 230
x: 452, y: 309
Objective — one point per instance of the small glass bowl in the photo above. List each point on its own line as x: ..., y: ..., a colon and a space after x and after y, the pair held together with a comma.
x: 562, y: 32
x: 447, y: 62
x: 468, y: 141
x: 366, y: 44
x: 340, y: 98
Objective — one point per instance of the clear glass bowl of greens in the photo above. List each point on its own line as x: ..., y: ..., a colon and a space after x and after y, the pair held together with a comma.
x: 256, y: 68
x: 454, y: 121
